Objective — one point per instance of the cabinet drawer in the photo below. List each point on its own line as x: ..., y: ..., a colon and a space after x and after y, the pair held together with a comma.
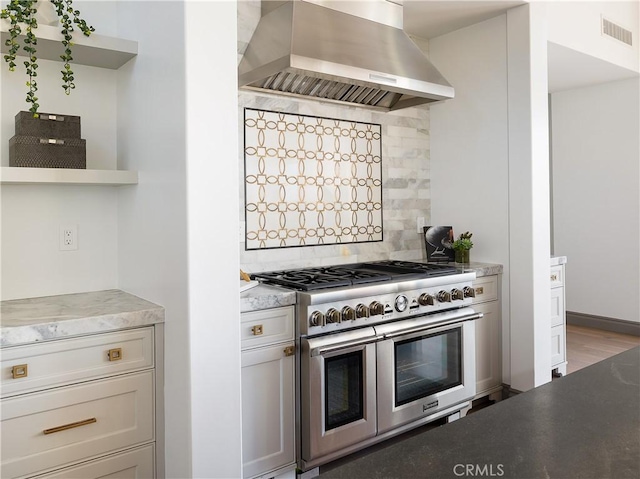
x: 45, y: 430
x: 486, y: 289
x: 266, y: 327
x: 557, y: 276
x: 135, y: 464
x: 65, y: 361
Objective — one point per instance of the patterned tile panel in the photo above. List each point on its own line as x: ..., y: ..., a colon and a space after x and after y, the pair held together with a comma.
x: 310, y: 180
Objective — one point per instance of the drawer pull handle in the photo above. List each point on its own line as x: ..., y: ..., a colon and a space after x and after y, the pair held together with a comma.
x: 19, y: 371
x: 479, y: 290
x: 257, y: 330
x: 70, y: 426
x: 289, y: 351
x: 554, y: 277
x: 114, y: 354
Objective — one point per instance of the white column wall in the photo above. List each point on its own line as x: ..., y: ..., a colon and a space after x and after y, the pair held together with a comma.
x: 469, y: 147
x: 596, y: 196
x: 529, y: 214
x: 152, y: 216
x: 212, y: 173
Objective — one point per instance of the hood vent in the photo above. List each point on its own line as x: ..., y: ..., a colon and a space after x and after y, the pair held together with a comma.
x: 307, y: 50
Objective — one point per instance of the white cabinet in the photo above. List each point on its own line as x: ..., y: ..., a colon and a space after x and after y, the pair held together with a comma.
x: 488, y: 338
x: 80, y: 407
x: 558, y: 318
x: 268, y: 394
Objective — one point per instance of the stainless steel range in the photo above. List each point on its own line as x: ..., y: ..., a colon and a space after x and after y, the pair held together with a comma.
x: 383, y: 347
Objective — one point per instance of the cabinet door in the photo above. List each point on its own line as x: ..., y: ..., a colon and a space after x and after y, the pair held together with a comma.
x: 557, y: 307
x: 488, y: 347
x: 268, y: 414
x: 558, y: 348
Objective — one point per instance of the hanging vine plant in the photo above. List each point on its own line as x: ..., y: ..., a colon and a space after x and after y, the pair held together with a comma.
x: 22, y: 17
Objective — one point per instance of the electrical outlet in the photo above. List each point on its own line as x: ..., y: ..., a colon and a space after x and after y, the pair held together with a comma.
x: 242, y: 232
x: 419, y: 224
x: 68, y: 238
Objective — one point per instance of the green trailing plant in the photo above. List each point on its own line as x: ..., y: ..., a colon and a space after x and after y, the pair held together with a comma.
x: 463, y: 242
x: 22, y: 15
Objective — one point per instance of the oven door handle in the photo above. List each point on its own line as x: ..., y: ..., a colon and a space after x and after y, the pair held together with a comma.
x: 424, y: 327
x: 320, y: 350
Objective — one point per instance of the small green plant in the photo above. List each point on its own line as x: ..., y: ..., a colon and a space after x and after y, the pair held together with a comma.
x: 463, y: 242
x: 22, y: 14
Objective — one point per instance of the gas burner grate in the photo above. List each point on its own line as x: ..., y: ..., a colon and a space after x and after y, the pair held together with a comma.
x: 430, y: 269
x: 324, y: 277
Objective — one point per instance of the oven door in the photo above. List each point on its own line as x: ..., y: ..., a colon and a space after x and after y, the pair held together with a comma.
x: 425, y: 365
x: 338, y: 391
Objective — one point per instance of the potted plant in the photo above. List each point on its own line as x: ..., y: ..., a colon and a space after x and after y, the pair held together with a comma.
x: 461, y: 246
x: 22, y: 17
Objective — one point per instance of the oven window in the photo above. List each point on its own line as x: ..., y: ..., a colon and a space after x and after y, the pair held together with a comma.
x: 427, y: 364
x: 343, y: 390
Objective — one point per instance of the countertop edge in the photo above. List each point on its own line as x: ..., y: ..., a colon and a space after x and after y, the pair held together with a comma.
x: 122, y: 311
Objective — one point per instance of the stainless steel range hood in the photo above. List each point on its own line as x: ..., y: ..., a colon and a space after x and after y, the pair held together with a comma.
x: 307, y: 49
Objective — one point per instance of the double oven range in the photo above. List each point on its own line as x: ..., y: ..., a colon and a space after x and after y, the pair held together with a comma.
x: 383, y: 347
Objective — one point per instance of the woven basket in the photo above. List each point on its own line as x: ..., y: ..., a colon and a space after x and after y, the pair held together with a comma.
x: 36, y: 152
x: 48, y: 125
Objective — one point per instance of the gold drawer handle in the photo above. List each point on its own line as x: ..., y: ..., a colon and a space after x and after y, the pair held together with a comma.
x: 289, y: 351
x: 257, y: 330
x: 479, y: 290
x: 554, y: 277
x: 114, y: 354
x: 70, y: 426
x: 19, y: 371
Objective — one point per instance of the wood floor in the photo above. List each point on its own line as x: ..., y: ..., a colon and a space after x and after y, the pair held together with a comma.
x: 586, y: 346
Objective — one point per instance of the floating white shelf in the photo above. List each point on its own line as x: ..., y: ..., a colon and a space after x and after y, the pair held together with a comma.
x: 66, y: 176
x: 96, y: 50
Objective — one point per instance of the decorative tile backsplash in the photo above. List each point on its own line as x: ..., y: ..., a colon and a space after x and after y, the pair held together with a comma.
x: 406, y: 189
x: 311, y: 181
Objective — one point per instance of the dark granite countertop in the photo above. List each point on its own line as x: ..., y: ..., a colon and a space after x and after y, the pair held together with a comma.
x: 583, y: 425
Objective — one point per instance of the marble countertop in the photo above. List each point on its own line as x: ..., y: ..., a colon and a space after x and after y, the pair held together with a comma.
x: 266, y: 296
x: 30, y: 320
x: 558, y: 260
x: 584, y: 424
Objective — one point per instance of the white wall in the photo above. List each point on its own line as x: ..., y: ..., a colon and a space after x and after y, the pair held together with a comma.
x: 596, y: 196
x: 490, y: 170
x: 469, y: 146
x: 577, y: 25
x: 529, y: 207
x: 32, y: 264
x: 214, y: 302
x: 152, y: 240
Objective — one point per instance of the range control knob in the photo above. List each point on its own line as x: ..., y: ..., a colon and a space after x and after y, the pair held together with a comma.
x: 401, y: 303
x: 425, y: 299
x: 348, y: 313
x: 376, y: 308
x: 362, y: 311
x: 469, y: 292
x: 316, y: 318
x: 457, y: 294
x: 333, y: 316
x: 443, y: 297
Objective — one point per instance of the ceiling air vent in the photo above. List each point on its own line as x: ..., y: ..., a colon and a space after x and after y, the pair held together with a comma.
x: 616, y: 31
